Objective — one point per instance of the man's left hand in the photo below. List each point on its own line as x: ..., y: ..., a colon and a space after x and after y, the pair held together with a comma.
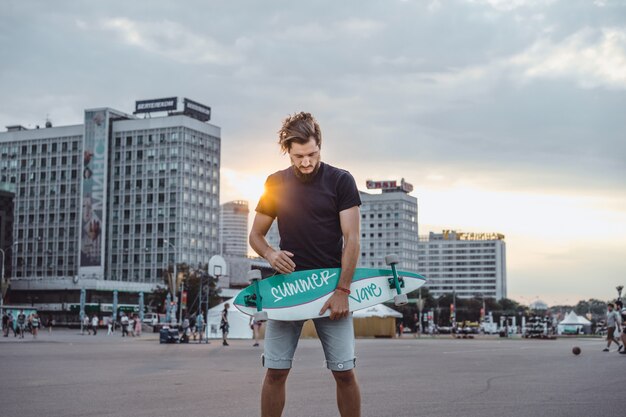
x: 338, y: 305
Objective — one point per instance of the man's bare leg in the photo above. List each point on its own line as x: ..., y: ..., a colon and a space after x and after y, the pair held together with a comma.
x: 348, y: 394
x: 273, y: 392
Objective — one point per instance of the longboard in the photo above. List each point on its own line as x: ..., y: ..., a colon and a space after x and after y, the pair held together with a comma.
x: 302, y: 294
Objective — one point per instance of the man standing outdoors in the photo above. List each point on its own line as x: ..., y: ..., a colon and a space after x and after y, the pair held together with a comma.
x: 317, y: 209
x: 21, y: 323
x: 612, y: 322
x: 200, y: 325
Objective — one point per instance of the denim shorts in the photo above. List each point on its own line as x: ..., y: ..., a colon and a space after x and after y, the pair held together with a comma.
x: 337, y: 337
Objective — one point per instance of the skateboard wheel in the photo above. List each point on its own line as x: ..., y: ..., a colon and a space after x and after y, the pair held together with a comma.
x: 260, y: 316
x: 254, y: 274
x: 400, y: 299
x: 392, y: 259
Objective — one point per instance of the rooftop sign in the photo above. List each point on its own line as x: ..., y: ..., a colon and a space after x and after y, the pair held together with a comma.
x: 389, y: 185
x: 155, y: 105
x: 197, y: 110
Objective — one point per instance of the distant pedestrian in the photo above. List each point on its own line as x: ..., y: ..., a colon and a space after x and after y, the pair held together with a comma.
x: 256, y: 328
x: 109, y: 325
x: 12, y: 324
x: 5, y: 324
x: 613, y: 320
x: 35, y: 322
x: 86, y: 325
x: 186, y: 330
x: 124, y: 322
x: 21, y: 323
x: 224, y: 326
x: 137, y: 326
x: 200, y: 326
x: 49, y: 323
x: 94, y: 324
x: 131, y: 325
x: 622, y: 311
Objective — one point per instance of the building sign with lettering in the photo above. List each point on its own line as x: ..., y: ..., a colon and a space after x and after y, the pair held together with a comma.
x: 155, y: 105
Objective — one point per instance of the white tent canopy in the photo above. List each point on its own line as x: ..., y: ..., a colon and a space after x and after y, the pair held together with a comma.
x: 379, y: 310
x: 573, y: 323
x: 239, y: 322
x: 572, y: 320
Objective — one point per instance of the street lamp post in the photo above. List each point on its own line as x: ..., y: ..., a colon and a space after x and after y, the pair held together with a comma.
x: 176, y: 300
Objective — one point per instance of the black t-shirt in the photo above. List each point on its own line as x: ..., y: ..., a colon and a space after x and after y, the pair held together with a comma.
x: 308, y: 214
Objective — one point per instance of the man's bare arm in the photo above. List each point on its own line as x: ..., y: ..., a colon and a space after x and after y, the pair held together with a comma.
x: 279, y: 260
x: 350, y: 227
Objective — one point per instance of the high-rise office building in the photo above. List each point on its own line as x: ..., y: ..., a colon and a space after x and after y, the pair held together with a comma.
x: 389, y: 225
x: 108, y: 204
x: 467, y: 264
x: 234, y: 228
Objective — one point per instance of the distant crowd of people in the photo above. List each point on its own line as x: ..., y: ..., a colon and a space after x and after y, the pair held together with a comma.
x: 129, y: 325
x: 191, y: 328
x: 21, y: 324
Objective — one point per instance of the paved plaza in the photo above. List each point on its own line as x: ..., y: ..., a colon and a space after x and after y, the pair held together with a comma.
x: 66, y: 374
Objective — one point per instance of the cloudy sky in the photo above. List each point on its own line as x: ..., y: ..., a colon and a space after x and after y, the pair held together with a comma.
x: 507, y: 116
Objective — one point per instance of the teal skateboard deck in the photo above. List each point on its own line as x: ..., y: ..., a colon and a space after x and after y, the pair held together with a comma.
x: 302, y: 294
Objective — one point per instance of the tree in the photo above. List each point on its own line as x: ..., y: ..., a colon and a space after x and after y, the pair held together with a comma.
x: 194, y: 280
x: 509, y: 307
x: 596, y: 308
x: 156, y: 299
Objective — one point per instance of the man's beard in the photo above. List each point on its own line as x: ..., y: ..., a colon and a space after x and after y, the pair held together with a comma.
x: 306, y: 178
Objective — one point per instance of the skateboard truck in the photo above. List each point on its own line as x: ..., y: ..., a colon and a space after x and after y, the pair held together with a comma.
x: 400, y: 299
x: 254, y: 276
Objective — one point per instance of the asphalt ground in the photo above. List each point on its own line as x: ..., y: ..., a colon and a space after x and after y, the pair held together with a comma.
x: 66, y: 374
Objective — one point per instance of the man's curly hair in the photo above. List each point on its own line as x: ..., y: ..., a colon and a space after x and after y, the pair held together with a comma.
x: 299, y: 128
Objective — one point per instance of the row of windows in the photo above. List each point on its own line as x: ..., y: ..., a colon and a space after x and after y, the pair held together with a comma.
x: 53, y: 232
x: 456, y: 258
x: 36, y: 204
x: 406, y: 265
x: 405, y: 216
x: 49, y: 162
x: 147, y: 244
x: 460, y: 251
x: 460, y: 274
x: 48, y: 176
x: 387, y: 206
x: 455, y: 244
x: 402, y: 234
x: 488, y: 290
x: 433, y: 264
x: 138, y: 155
x: 208, y: 187
x: 51, y: 218
x: 162, y: 212
x: 141, y: 138
x: 463, y: 281
x: 442, y: 271
x: 33, y: 148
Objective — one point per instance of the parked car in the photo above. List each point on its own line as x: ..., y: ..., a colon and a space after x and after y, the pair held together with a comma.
x: 150, y: 318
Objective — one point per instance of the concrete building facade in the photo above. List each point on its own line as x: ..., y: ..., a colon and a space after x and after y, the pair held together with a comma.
x: 389, y: 225
x: 234, y: 228
x: 106, y: 205
x: 467, y: 264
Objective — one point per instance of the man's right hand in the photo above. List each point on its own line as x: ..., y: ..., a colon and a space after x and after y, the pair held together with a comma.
x: 281, y: 261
